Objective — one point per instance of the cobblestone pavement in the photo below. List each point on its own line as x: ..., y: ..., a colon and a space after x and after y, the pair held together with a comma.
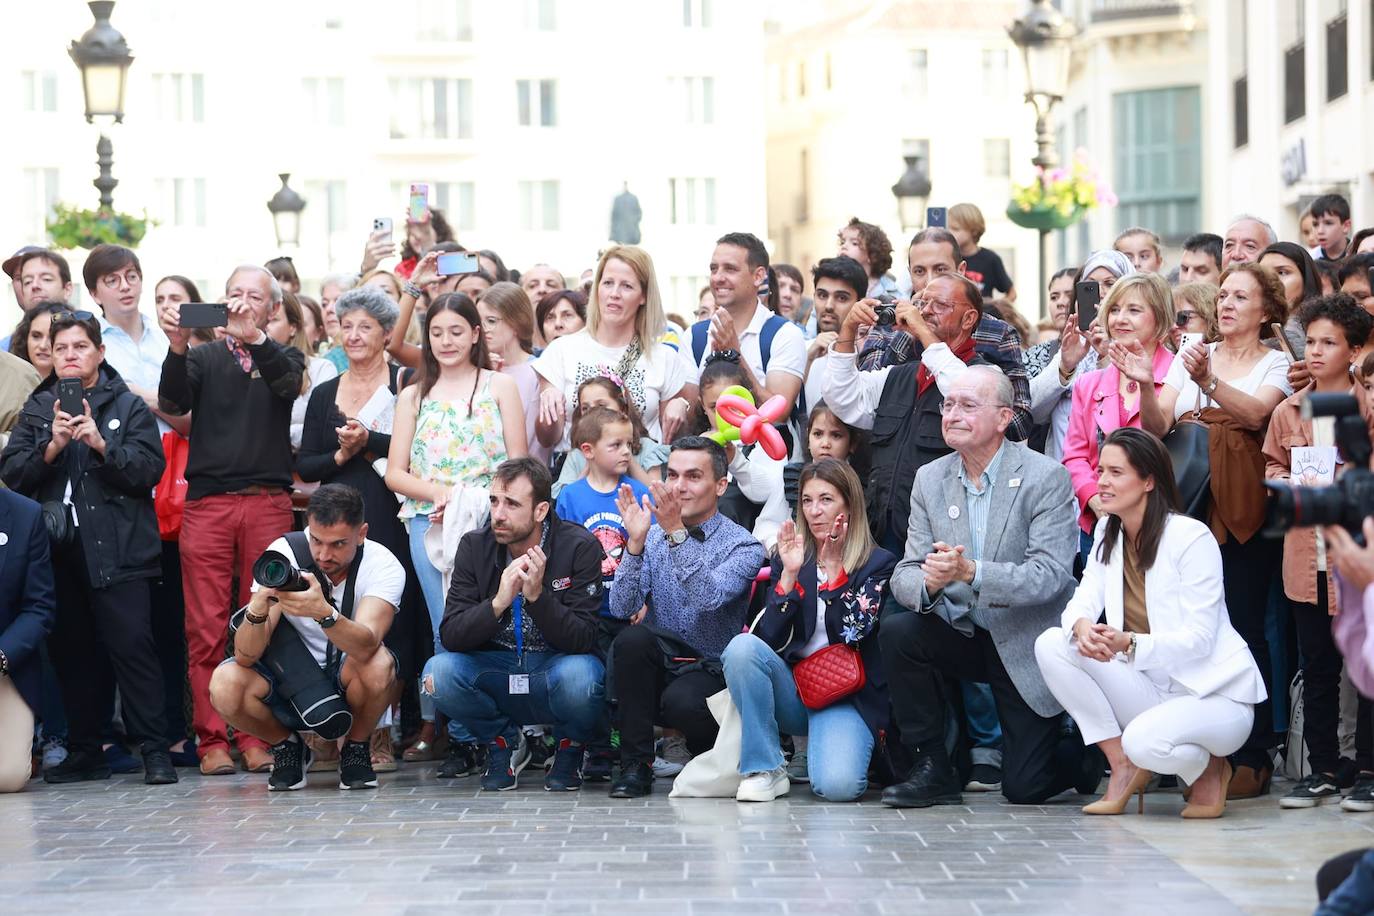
x: 417, y: 844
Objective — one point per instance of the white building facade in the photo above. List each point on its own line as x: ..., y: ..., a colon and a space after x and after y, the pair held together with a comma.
x: 525, y: 117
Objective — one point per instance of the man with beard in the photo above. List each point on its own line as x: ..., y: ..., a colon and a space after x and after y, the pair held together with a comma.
x: 838, y: 284
x: 520, y: 627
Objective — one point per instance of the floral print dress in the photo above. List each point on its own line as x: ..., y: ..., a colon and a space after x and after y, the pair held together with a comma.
x: 452, y: 446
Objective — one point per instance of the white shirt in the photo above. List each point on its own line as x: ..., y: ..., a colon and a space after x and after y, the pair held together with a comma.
x: 320, y: 371
x: 1053, y: 401
x: 1271, y: 371
x: 854, y: 395
x: 655, y: 377
x: 786, y: 354
x: 817, y: 377
x: 819, y: 637
x: 760, y: 480
x: 379, y: 576
x: 140, y: 364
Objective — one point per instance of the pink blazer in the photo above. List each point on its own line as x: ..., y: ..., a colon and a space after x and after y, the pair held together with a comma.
x: 1097, y: 407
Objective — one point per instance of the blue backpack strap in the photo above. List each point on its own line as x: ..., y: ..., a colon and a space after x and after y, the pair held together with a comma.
x: 699, y: 332
x: 770, y: 330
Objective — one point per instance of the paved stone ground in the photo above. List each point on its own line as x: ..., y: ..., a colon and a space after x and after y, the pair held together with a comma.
x: 417, y: 844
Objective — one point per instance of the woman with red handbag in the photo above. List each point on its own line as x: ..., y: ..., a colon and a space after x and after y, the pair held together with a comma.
x: 811, y: 665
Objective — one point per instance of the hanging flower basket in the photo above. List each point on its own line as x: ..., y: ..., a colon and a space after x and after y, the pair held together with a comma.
x: 73, y: 228
x: 1043, y: 219
x: 1059, y: 197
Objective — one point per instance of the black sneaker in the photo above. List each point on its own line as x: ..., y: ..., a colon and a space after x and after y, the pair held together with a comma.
x: 460, y: 761
x: 1311, y: 791
x: 504, y: 764
x: 636, y: 781
x: 355, y: 766
x: 290, y: 760
x: 984, y: 777
x: 598, y: 765
x: 79, y: 766
x: 566, y: 773
x: 158, y: 769
x: 1361, y: 797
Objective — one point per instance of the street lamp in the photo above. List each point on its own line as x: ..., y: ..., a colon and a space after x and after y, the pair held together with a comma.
x: 286, y: 206
x: 1044, y: 37
x: 103, y: 58
x: 912, y: 191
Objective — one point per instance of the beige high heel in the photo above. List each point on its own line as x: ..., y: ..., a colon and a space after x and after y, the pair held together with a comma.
x: 1136, y: 787
x: 1205, y: 812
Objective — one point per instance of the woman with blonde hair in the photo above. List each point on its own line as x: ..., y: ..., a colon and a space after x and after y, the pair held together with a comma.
x: 828, y: 582
x: 1137, y: 317
x: 624, y: 323
x: 1195, y: 312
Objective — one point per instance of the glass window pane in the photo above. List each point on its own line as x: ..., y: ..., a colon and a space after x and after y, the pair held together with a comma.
x: 522, y: 103
x: 708, y: 100
x: 550, y: 205
x: 547, y: 111
x: 465, y: 109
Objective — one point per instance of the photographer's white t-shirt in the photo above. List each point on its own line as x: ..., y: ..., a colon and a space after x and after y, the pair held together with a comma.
x: 379, y: 576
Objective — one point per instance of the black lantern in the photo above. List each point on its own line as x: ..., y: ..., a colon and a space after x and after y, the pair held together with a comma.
x: 103, y: 58
x: 912, y: 191
x: 1044, y: 37
x: 286, y: 206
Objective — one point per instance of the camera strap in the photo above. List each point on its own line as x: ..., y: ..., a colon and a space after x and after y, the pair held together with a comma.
x: 300, y: 549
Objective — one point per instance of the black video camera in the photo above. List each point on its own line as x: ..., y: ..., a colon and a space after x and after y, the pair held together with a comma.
x: 1350, y: 499
x: 887, y: 311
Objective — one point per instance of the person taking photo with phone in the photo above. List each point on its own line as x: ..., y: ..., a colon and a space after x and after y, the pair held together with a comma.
x: 88, y: 449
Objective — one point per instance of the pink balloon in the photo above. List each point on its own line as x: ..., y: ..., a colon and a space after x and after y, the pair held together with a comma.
x: 734, y: 409
x: 756, y: 424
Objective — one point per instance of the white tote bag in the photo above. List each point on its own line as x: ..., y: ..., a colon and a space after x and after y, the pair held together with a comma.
x: 714, y: 774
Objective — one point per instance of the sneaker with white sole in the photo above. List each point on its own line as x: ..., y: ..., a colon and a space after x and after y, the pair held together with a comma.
x: 1361, y: 797
x: 290, y: 763
x: 764, y: 787
x: 504, y: 764
x: 1311, y: 791
x: 984, y: 777
x: 672, y: 756
x: 355, y: 766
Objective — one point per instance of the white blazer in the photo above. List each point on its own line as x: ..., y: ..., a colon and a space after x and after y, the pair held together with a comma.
x: 1191, y: 639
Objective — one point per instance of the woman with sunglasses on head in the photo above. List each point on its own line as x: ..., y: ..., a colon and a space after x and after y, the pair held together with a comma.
x: 94, y: 468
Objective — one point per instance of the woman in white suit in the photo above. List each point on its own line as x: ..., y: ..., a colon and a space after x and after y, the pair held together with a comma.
x: 1166, y: 684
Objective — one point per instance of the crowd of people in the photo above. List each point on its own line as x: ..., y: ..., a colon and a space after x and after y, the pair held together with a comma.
x: 534, y: 528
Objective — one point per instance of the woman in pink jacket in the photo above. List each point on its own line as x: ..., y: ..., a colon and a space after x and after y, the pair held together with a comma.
x: 1137, y: 316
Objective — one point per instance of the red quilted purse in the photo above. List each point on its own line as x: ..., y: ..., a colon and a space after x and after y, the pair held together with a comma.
x: 829, y: 675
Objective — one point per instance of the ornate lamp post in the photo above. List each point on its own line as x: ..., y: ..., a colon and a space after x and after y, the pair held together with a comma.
x: 104, y: 59
x: 286, y: 206
x: 1044, y: 37
x: 912, y: 191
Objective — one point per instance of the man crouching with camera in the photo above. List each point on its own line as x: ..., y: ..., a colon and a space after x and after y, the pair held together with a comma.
x: 327, y: 670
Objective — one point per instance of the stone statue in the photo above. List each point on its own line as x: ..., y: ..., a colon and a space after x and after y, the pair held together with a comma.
x: 625, y: 217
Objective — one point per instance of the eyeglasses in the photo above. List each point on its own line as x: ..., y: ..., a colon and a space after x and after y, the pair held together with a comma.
x: 955, y: 405
x: 113, y: 281
x: 1182, y: 318
x: 72, y: 316
x: 938, y: 306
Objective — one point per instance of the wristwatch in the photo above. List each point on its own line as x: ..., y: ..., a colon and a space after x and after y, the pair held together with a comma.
x: 1211, y: 386
x: 676, y: 538
x: 1130, y: 650
x: 327, y: 622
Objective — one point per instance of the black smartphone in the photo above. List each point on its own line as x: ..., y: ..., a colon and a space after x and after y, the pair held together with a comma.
x: 1086, y: 296
x: 70, y: 396
x: 203, y: 315
x: 936, y: 217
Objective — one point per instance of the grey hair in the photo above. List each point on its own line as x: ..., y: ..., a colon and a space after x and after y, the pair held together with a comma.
x: 1250, y: 218
x: 370, y: 299
x: 1002, y: 388
x: 257, y: 268
x: 343, y: 281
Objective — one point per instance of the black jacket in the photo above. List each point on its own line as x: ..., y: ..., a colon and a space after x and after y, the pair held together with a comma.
x: 566, y: 612
x: 113, y: 495
x: 28, y: 605
x: 852, y: 610
x: 906, y: 436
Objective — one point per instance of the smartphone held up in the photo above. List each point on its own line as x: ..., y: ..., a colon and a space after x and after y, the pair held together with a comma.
x: 1087, y: 295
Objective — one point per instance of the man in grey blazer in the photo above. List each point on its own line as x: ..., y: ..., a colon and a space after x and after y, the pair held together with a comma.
x: 987, y: 567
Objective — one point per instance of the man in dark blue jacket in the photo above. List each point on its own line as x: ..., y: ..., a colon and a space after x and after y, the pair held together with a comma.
x: 27, y: 609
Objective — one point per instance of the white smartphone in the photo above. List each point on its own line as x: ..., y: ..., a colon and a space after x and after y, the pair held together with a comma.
x: 382, y: 224
x: 1188, y: 339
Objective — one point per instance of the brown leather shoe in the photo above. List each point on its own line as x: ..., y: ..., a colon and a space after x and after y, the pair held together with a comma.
x: 216, y: 762
x: 256, y: 759
x: 1248, y: 782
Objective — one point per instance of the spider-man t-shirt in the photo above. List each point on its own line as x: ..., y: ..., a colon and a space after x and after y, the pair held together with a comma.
x: 597, y: 512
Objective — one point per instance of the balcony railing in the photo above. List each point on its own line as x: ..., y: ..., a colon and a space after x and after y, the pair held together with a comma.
x: 1113, y: 10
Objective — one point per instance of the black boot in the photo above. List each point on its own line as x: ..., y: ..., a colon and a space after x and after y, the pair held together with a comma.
x: 636, y: 781
x: 158, y: 769
x: 933, y: 781
x: 80, y: 766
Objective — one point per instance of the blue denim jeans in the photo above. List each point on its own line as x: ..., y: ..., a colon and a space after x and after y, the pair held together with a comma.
x: 984, y: 728
x: 431, y: 580
x: 473, y: 690
x: 839, y: 743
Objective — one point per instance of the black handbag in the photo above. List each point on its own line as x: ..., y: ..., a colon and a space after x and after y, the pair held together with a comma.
x: 57, y: 518
x: 1189, y: 450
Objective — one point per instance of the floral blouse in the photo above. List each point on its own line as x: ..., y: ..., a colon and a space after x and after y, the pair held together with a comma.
x: 452, y: 446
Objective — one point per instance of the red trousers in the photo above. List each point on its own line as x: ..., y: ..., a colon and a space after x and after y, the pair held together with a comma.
x: 219, y: 535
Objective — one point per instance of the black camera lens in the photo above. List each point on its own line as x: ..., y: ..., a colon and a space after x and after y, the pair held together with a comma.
x: 272, y: 570
x: 887, y: 315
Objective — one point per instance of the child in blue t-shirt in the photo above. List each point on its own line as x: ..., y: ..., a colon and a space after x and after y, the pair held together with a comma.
x: 605, y: 438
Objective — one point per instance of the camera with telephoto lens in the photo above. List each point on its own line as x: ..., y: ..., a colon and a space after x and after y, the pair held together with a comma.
x: 275, y: 570
x: 1350, y: 499
x: 887, y: 312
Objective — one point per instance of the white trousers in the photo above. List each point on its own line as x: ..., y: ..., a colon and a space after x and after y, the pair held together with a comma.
x: 1163, y: 728
x: 16, y: 738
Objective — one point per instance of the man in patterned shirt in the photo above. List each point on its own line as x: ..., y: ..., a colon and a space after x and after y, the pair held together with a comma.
x: 934, y: 252
x: 692, y: 569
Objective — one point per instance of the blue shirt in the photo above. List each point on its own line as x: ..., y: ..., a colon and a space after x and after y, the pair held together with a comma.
x: 978, y: 501
x: 581, y: 503
x: 139, y: 363
x: 698, y: 590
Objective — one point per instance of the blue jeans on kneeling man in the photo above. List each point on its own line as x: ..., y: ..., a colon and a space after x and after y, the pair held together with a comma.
x: 839, y: 742
x: 474, y: 689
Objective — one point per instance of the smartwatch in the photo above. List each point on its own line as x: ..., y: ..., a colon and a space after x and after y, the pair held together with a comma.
x: 327, y: 622
x: 676, y: 538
